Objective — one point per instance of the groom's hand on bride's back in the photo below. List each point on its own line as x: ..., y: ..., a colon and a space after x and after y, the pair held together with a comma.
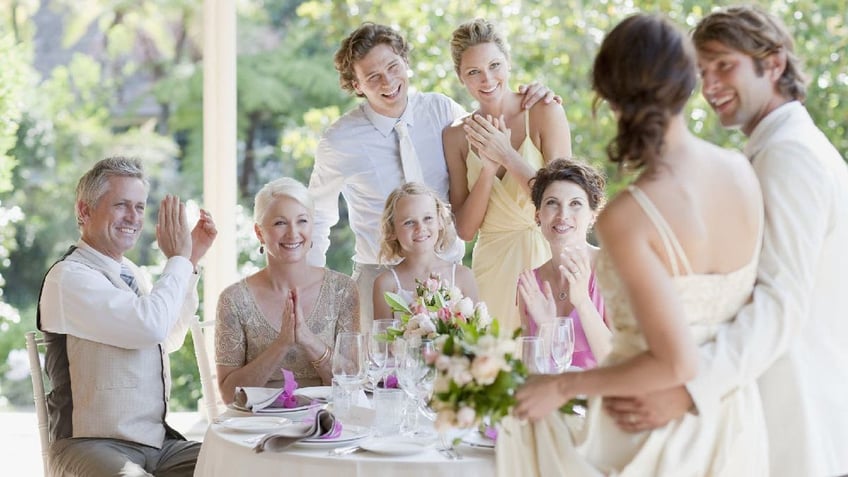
x: 649, y: 411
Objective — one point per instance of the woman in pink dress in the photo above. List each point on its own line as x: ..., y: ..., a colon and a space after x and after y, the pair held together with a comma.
x: 568, y: 196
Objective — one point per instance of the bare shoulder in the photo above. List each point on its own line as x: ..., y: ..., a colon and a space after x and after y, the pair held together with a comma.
x: 455, y: 125
x: 384, y: 281
x: 454, y: 142
x: 541, y: 112
x: 618, y: 214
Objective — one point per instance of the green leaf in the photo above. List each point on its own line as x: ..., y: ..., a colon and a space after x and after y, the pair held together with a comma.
x: 396, y: 303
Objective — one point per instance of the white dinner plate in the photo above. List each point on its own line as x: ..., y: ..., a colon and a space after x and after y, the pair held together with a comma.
x: 257, y: 424
x: 316, y: 392
x: 349, y: 435
x: 475, y: 439
x: 274, y: 411
x: 394, y: 446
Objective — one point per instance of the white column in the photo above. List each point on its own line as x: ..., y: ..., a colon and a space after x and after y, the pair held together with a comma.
x: 219, y: 146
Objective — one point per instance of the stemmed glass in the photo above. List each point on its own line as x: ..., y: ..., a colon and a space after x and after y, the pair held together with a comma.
x: 558, y: 341
x: 349, y: 366
x: 416, y: 377
x: 562, y: 343
x: 531, y: 352
x: 378, y: 351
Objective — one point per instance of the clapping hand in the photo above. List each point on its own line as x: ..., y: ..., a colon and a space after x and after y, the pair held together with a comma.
x: 576, y: 268
x: 489, y: 137
x: 202, y: 236
x: 540, y: 304
x: 172, y: 232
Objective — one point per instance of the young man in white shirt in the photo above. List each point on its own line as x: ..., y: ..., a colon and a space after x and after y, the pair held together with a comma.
x: 792, y: 337
x: 359, y: 155
x: 108, y: 331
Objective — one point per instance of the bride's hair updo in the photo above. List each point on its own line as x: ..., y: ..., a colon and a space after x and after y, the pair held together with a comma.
x: 646, y: 70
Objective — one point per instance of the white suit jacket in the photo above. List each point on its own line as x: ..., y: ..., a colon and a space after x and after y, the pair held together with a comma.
x: 793, y: 337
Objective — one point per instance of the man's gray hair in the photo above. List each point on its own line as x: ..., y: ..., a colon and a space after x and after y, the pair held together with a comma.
x: 95, y: 183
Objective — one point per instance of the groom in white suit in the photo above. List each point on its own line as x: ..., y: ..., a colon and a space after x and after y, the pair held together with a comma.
x: 793, y: 337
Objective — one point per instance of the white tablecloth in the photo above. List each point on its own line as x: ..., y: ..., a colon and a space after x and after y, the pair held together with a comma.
x: 225, y: 453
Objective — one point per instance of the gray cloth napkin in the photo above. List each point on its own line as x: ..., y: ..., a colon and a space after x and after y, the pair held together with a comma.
x: 323, y: 424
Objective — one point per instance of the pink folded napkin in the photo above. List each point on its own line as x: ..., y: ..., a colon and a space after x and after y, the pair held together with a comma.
x: 323, y: 425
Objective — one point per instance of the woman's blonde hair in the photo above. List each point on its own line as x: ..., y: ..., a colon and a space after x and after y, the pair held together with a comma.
x: 390, y: 249
x: 473, y: 33
x: 283, y: 187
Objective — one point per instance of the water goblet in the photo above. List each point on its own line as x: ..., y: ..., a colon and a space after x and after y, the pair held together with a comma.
x: 562, y: 343
x: 530, y: 351
x: 349, y: 361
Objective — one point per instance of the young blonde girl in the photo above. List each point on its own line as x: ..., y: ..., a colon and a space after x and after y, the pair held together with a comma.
x: 416, y: 227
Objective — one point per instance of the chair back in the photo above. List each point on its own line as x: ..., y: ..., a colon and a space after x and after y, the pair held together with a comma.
x: 213, y: 405
x: 33, y: 341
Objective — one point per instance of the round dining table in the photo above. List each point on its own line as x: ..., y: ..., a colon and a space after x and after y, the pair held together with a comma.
x: 226, y: 452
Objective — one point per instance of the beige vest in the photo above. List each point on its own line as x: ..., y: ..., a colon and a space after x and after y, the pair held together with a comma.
x: 118, y: 393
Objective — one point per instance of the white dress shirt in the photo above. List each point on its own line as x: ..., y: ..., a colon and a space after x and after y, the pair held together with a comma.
x: 81, y: 301
x: 793, y: 337
x: 359, y: 157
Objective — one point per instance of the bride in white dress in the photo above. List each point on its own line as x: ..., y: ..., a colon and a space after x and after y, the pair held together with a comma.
x: 678, y: 256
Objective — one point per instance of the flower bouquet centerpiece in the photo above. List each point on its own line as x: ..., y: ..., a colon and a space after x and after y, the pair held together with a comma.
x: 436, y: 309
x: 477, y: 374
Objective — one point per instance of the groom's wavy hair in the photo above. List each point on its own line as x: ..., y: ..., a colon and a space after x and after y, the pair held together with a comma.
x: 390, y: 248
x: 645, y: 69
x: 359, y: 43
x: 758, y: 34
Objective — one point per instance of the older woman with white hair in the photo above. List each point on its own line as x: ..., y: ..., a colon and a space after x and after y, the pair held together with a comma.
x: 286, y: 315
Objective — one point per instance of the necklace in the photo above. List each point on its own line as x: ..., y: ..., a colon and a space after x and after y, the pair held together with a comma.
x: 562, y: 295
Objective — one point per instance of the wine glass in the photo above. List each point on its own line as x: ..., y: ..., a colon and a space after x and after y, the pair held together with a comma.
x: 379, y: 350
x: 416, y: 377
x: 349, y: 365
x: 562, y: 343
x: 531, y: 352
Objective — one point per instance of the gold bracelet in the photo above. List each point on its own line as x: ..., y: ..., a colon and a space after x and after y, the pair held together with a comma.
x: 323, y: 357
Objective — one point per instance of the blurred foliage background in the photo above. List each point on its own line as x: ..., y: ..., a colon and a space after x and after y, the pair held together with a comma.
x: 82, y: 79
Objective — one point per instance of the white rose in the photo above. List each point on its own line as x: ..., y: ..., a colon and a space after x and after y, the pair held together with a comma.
x: 426, y: 324
x: 459, y: 370
x: 455, y: 294
x: 485, y: 368
x: 484, y: 319
x: 443, y: 362
x: 486, y: 344
x: 506, y: 347
x: 464, y: 307
x: 466, y: 417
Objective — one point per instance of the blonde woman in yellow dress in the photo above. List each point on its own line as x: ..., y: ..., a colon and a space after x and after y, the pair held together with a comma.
x: 491, y: 155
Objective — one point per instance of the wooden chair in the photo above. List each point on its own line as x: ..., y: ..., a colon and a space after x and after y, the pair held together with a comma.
x: 213, y: 405
x: 32, y: 344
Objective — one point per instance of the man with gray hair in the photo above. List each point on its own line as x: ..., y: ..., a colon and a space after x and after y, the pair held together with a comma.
x: 109, y: 332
